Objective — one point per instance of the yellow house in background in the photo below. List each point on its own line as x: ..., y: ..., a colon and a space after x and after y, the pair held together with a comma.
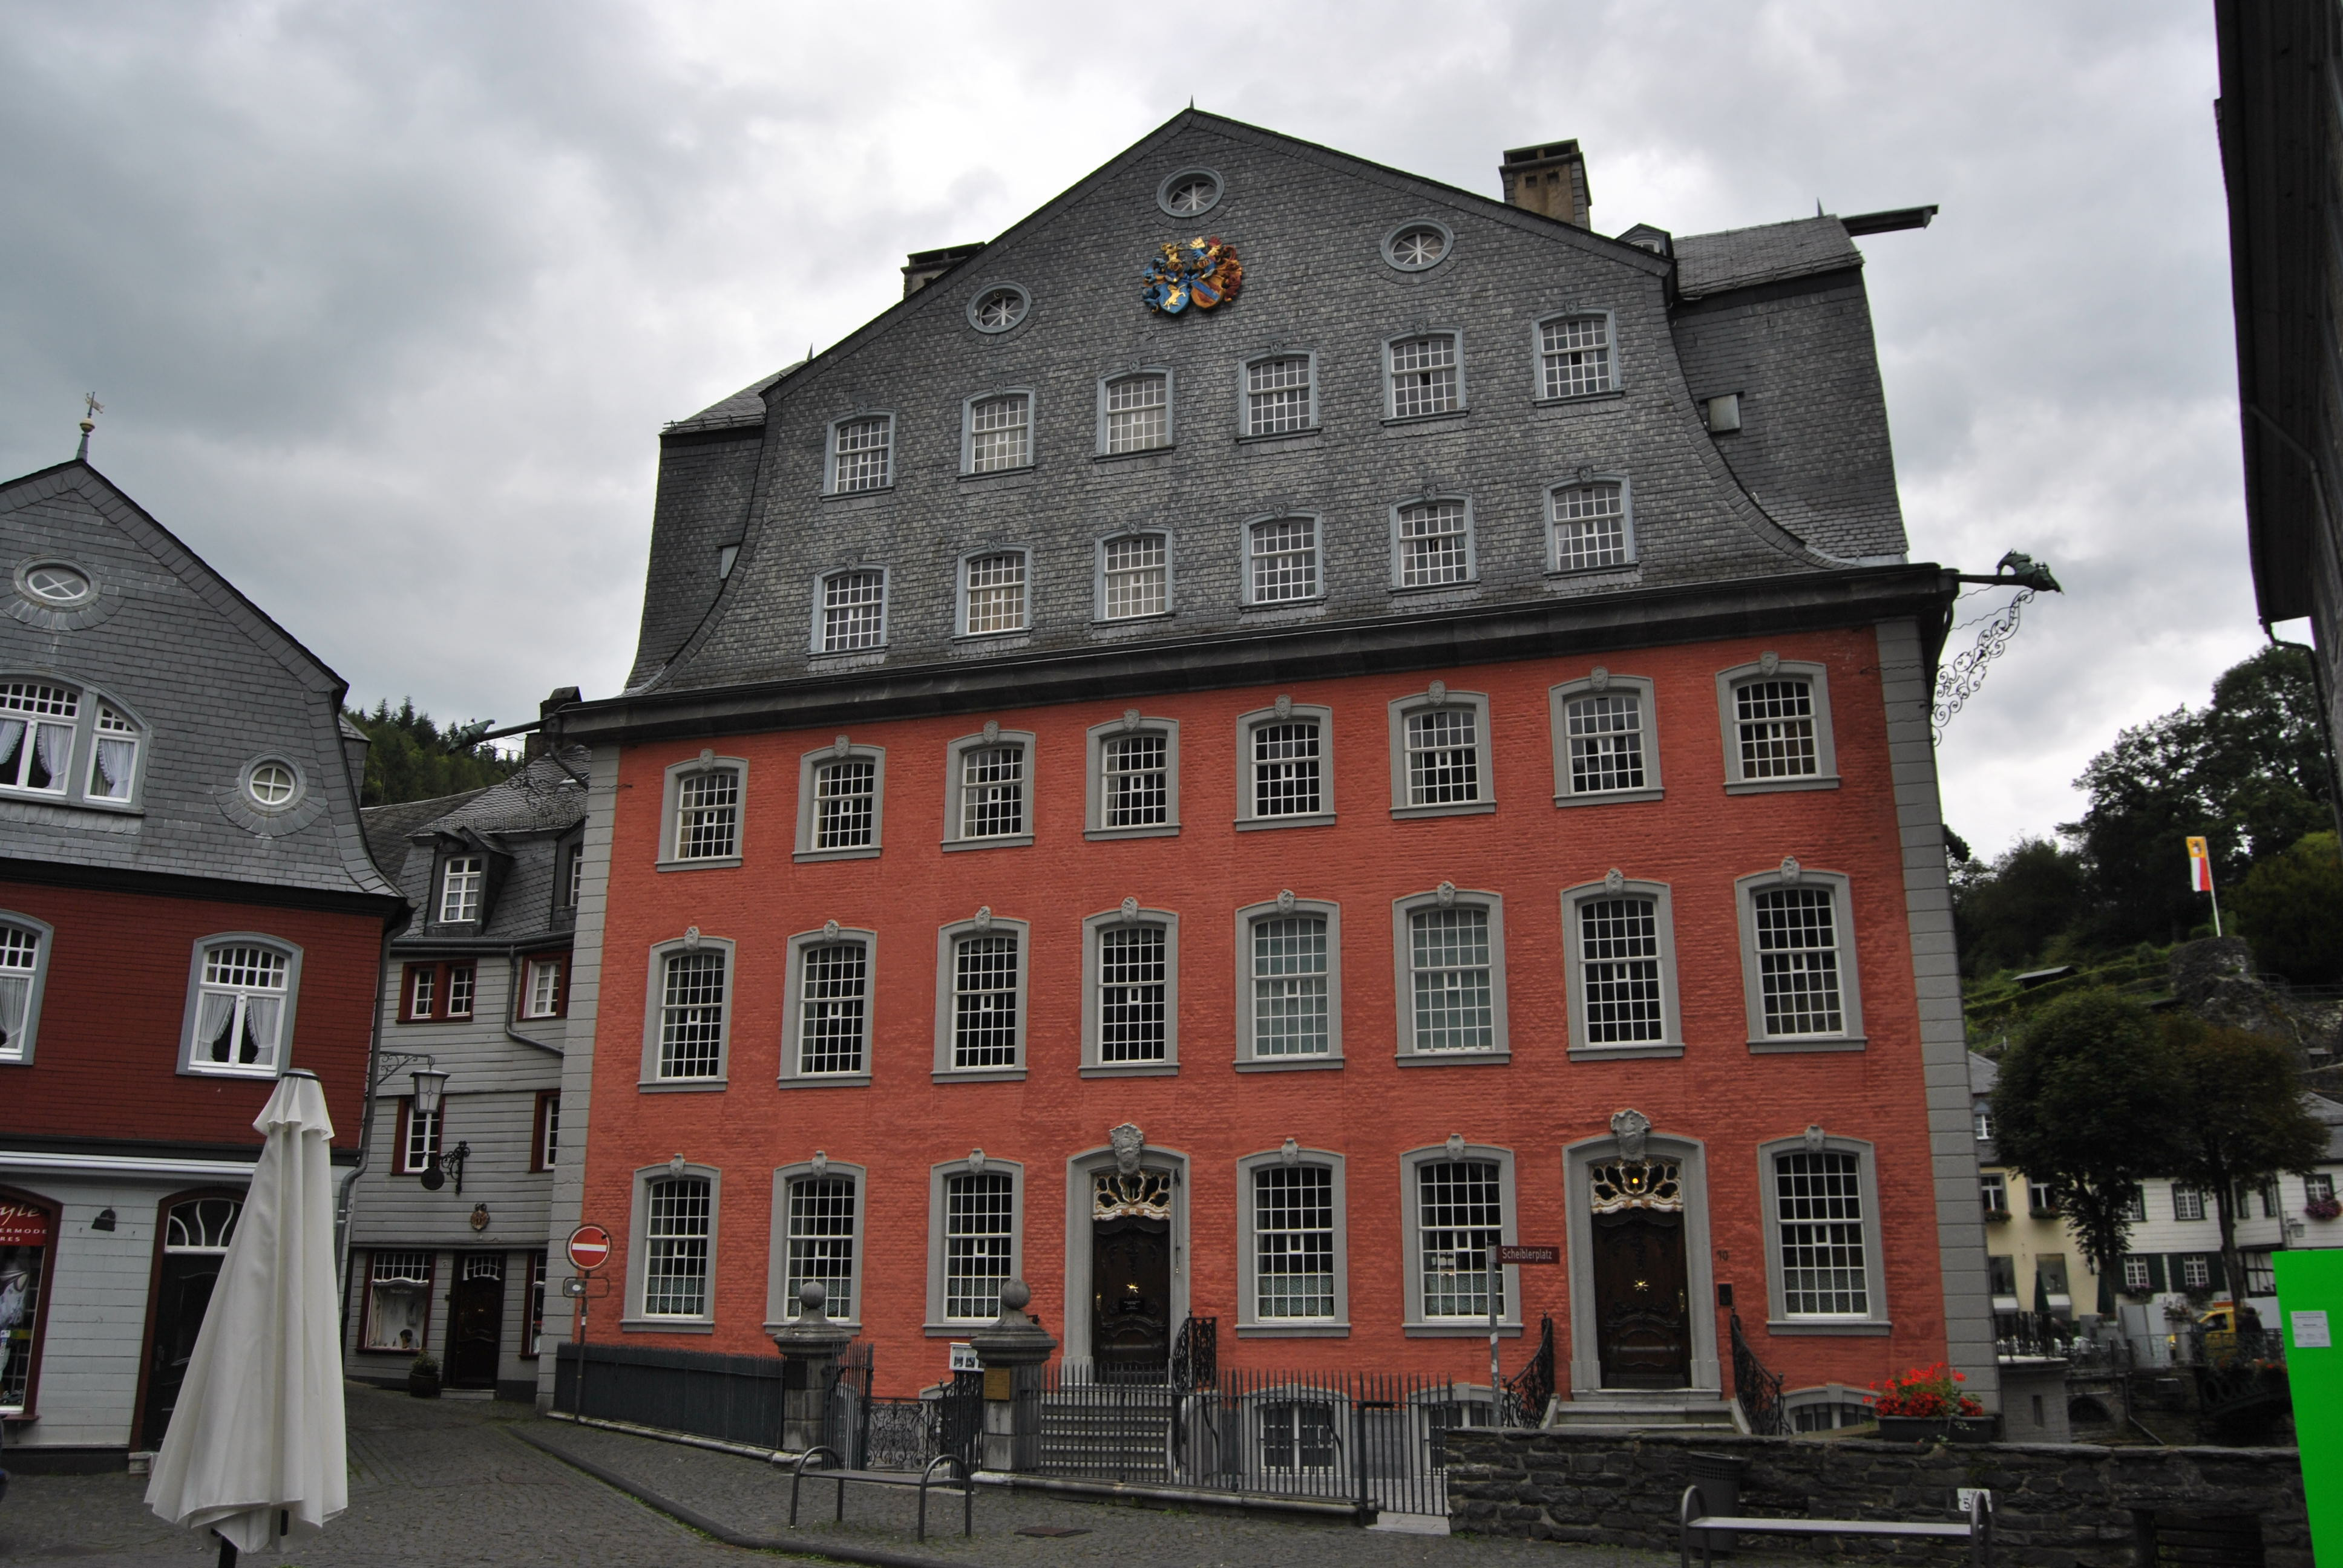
x: 2033, y: 1261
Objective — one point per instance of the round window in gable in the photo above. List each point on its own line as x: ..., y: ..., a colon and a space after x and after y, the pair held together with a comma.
x: 273, y: 785
x: 55, y: 584
x: 999, y: 307
x: 1415, y: 247
x: 1189, y: 192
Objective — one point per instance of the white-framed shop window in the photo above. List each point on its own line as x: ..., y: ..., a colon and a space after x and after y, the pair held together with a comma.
x: 1456, y: 1202
x: 687, y: 1013
x: 672, y: 1249
x: 1292, y: 1247
x: 1824, y: 1270
x: 1285, y: 771
x: 825, y: 1027
x: 980, y: 998
x: 1776, y: 718
x: 399, y: 1302
x: 818, y: 1225
x: 702, y: 809
x: 1619, y: 953
x: 1606, y: 739
x: 1289, y: 984
x: 1133, y: 790
x: 841, y: 801
x: 1440, y: 754
x: 1449, y: 947
x: 1799, y: 960
x: 989, y: 790
x: 242, y: 987
x: 1131, y: 992
x: 976, y: 1210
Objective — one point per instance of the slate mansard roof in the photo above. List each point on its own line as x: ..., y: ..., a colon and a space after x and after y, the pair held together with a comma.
x: 522, y: 821
x: 214, y: 684
x: 1776, y: 314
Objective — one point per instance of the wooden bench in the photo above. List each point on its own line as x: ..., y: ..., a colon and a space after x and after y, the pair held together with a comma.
x: 1976, y: 1530
x: 958, y: 1480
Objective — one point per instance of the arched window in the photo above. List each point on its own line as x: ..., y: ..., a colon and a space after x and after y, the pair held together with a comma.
x: 241, y: 994
x: 61, y: 742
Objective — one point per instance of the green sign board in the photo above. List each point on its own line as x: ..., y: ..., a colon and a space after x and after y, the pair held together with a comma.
x: 2310, y: 1309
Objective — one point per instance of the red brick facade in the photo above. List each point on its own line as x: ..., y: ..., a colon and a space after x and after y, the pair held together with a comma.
x: 1697, y: 840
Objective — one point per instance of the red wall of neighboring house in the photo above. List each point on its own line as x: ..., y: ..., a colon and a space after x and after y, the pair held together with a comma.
x: 114, y: 1002
x: 1698, y: 840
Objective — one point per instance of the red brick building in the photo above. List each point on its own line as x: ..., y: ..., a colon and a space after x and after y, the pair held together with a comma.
x: 1230, y: 815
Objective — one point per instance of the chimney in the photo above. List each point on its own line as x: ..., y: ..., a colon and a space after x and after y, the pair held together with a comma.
x: 927, y: 266
x: 1548, y: 179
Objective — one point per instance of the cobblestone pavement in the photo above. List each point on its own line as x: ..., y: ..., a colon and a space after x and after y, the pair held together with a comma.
x: 447, y: 1482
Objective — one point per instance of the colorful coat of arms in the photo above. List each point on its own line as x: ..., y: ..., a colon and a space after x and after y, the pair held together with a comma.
x: 1199, y: 272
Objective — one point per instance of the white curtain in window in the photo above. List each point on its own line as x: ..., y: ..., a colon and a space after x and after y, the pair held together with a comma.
x: 12, y: 730
x: 261, y: 1014
x: 110, y: 779
x: 54, y: 741
x: 16, y: 990
x: 215, y: 1014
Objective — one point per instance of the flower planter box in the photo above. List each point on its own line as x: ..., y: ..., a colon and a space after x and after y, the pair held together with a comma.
x: 423, y: 1385
x: 1939, y: 1428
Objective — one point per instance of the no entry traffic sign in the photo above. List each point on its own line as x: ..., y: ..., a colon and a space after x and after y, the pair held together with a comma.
x: 589, y: 1248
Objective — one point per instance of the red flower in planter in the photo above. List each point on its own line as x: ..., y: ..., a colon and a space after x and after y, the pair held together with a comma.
x: 2323, y: 1209
x: 1930, y: 1390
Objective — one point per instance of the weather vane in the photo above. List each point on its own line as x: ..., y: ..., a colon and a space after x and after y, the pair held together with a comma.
x: 89, y: 421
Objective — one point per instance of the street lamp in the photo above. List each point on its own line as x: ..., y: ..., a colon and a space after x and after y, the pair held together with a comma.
x: 430, y: 1090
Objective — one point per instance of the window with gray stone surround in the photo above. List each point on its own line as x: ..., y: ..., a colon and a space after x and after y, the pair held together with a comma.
x: 980, y: 998
x: 1292, y: 1246
x: 831, y: 979
x: 1289, y: 985
x: 1825, y: 1267
x: 1277, y: 395
x: 1135, y: 412
x: 65, y: 743
x: 1590, y: 525
x: 1606, y: 739
x: 1134, y: 576
x: 671, y: 1250
x: 849, y: 610
x: 23, y: 968
x: 997, y: 432
x: 1131, y: 992
x: 1618, y: 948
x: 841, y: 801
x: 861, y: 448
x: 243, y: 988
x: 1133, y: 772
x: 1440, y: 754
x: 1776, y: 718
x: 1575, y: 356
x: 1456, y: 1202
x: 702, y: 806
x: 989, y: 790
x: 1285, y: 765
x: 1424, y: 375
x: 817, y: 1235
x: 1449, y: 957
x: 687, y: 1013
x: 976, y: 1235
x: 1431, y: 543
x: 1798, y: 970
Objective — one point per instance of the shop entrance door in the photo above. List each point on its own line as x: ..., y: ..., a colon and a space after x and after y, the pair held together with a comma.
x: 475, y: 1319
x: 196, y: 1235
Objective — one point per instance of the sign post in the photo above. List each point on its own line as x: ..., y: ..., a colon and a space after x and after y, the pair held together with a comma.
x: 1498, y: 1258
x: 588, y: 1249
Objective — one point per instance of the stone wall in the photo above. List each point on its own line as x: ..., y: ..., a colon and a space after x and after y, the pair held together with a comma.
x: 2056, y: 1505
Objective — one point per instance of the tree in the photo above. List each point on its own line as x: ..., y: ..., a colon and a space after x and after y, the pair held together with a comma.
x: 413, y: 758
x: 2238, y: 1118
x: 2007, y: 913
x: 2290, y: 907
x: 2084, y: 1101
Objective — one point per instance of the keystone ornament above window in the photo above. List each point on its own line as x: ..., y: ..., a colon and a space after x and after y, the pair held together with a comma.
x: 1202, y: 272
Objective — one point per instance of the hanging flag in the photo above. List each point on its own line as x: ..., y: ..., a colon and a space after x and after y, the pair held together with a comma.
x: 2200, y: 867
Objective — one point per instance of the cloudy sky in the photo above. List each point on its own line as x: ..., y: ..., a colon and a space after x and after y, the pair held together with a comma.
x: 387, y: 302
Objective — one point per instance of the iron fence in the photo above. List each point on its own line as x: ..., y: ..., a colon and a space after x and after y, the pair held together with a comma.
x: 734, y: 1398
x: 1757, y: 1390
x: 1529, y: 1390
x: 871, y: 1431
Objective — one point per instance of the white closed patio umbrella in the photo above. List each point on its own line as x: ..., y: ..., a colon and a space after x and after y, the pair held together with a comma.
x: 255, y: 1449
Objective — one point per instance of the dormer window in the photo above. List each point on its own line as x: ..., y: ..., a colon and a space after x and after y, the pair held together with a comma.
x: 460, y: 880
x: 65, y: 743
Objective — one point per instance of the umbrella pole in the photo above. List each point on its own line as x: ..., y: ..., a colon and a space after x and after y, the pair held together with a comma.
x: 227, y: 1550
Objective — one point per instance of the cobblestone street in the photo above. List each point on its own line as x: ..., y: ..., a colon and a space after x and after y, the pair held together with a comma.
x: 449, y: 1482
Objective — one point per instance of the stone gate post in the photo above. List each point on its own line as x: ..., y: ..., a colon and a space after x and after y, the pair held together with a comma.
x: 1012, y: 1351
x: 810, y: 1349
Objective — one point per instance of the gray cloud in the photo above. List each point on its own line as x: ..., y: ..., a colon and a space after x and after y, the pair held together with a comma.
x: 388, y: 303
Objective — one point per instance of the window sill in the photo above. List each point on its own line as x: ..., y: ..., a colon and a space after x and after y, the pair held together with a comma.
x: 1016, y: 637
x: 1297, y: 1064
x: 846, y: 657
x: 1577, y: 398
x: 70, y: 802
x: 253, y: 1074
x: 1109, y: 622
x: 1463, y: 1330
x: 771, y: 1328
x: 1162, y: 830
x: 1127, y: 457
x: 1454, y: 1058
x: 1276, y: 435
x: 957, y: 1331
x: 1871, y: 1326
x: 810, y: 857
x: 1314, y: 605
x: 1462, y: 808
x: 1623, y: 1052
x: 1610, y: 798
x: 997, y: 475
x: 712, y: 863
x: 1005, y: 841
x: 869, y: 493
x: 1401, y: 421
x: 664, y: 1326
x: 1132, y: 1070
x: 1294, y: 1331
x: 978, y: 1075
x: 1783, y: 786
x: 681, y: 1085
x: 1793, y: 1046
x: 1626, y: 568
x: 1460, y: 586
x: 824, y: 1080
x: 1261, y: 824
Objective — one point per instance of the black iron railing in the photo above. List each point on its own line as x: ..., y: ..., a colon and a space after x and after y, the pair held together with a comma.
x: 1757, y: 1390
x: 1529, y: 1390
x: 1196, y: 1353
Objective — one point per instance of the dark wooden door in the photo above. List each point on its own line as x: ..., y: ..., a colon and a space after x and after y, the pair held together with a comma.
x: 1642, y: 1324
x: 182, y: 1293
x: 1131, y: 1298
x: 476, y: 1317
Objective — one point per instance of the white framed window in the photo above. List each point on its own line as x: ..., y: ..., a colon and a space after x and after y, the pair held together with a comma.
x: 1797, y: 960
x: 1605, y: 741
x: 1292, y: 1258
x: 992, y: 593
x: 1440, y: 754
x: 422, y: 991
x: 1189, y: 193
x: 826, y: 1033
x: 573, y: 880
x: 1425, y: 373
x: 818, y: 1238
x: 42, y: 731
x: 1575, y: 356
x: 1448, y: 948
x: 1282, y: 560
x: 23, y: 967
x: 687, y: 1013
x: 547, y: 1140
x: 702, y: 812
x: 1824, y: 1270
x: 461, y: 983
x: 1289, y: 984
x: 535, y: 1329
x: 862, y: 454
x: 2318, y: 1187
x: 1993, y: 1192
x: 1134, y: 577
x: 1131, y: 992
x: 1777, y: 727
x: 841, y: 801
x: 1418, y: 247
x: 2135, y: 1276
x: 2188, y: 1203
x: 241, y: 989
x: 1431, y: 543
x: 989, y: 790
x: 1590, y: 526
x: 850, y: 615
x: 463, y: 879
x: 1618, y: 943
x: 541, y: 986
x: 399, y: 1302
x: 980, y: 998
x: 1134, y: 778
x: 1278, y: 395
x: 418, y: 1136
x: 1456, y: 1204
x: 1285, y: 772
x: 1135, y: 412
x: 2196, y: 1272
x: 998, y: 433
x: 999, y: 307
x: 975, y: 1238
x: 114, y: 764
x: 672, y: 1249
